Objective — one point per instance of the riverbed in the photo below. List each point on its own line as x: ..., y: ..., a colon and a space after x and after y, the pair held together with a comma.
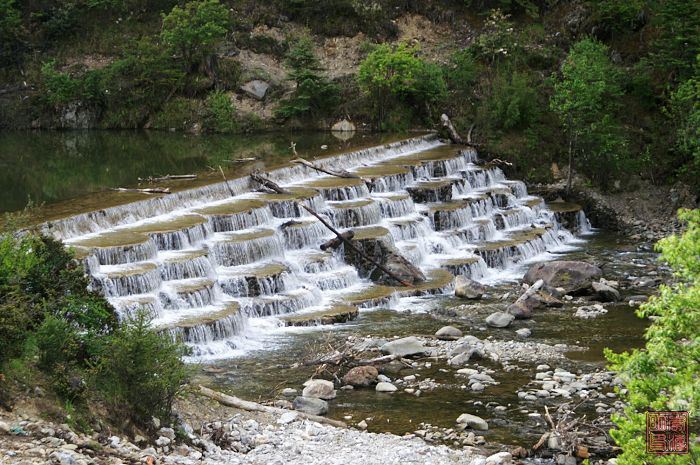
x: 262, y: 373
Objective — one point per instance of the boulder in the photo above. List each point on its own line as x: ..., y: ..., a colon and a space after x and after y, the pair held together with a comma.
x: 256, y: 89
x: 402, y: 268
x: 605, y: 293
x: 319, y: 389
x: 310, y: 405
x: 343, y: 126
x: 573, y: 276
x: 522, y: 309
x: 472, y: 421
x: 501, y: 458
x: 448, y: 333
x: 404, y: 347
x: 361, y: 376
x: 499, y: 319
x: 523, y: 332
x: 385, y: 387
x: 468, y: 288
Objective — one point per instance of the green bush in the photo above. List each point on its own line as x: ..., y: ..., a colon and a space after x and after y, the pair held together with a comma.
x: 11, y: 32
x: 683, y: 111
x: 513, y: 102
x: 228, y: 73
x: 391, y: 75
x: 140, y: 372
x: 314, y: 94
x: 179, y: 113
x: 220, y: 114
x: 462, y: 72
x: 194, y: 30
x: 615, y: 16
x: 665, y: 374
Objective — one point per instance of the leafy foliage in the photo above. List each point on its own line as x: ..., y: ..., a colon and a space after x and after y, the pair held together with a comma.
x: 586, y: 98
x: 391, y: 75
x: 677, y: 43
x: 141, y: 371
x: 314, y: 93
x: 615, y: 16
x: 221, y: 116
x: 11, y: 32
x: 665, y: 375
x: 194, y: 30
x: 513, y: 101
x: 684, y: 112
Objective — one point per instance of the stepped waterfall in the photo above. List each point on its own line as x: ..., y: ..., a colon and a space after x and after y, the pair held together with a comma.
x: 205, y: 264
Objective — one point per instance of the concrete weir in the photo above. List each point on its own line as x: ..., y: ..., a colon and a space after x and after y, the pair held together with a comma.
x: 204, y: 263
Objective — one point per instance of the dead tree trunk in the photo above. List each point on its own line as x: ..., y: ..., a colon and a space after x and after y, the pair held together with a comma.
x: 451, y: 131
x: 340, y: 174
x: 336, y: 242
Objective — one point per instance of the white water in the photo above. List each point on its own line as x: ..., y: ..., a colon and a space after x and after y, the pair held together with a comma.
x: 264, y: 257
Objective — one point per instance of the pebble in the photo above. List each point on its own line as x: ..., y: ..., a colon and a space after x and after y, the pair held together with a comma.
x: 289, y: 392
x: 385, y: 387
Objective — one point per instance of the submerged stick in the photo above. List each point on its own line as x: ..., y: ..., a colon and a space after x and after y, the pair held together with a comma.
x: 230, y: 190
x: 154, y: 190
x: 339, y: 174
x: 236, y: 402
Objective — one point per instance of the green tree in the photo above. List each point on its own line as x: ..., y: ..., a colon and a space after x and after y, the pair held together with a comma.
x: 497, y: 39
x: 683, y: 111
x: 677, y: 40
x: 140, y: 372
x: 586, y: 97
x: 396, y: 74
x: 665, y: 374
x: 194, y: 30
x: 11, y: 32
x: 314, y: 94
x: 615, y: 16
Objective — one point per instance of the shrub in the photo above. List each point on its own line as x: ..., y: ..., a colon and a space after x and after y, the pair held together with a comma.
x: 140, y: 372
x: 179, y: 113
x: 683, y: 111
x: 615, y: 16
x: 513, y: 102
x: 11, y: 32
x: 395, y: 74
x: 220, y: 114
x: 665, y: 374
x: 194, y: 30
x: 462, y: 72
x: 314, y: 93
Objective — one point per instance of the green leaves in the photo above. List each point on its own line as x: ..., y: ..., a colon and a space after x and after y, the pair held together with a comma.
x: 665, y: 375
x: 193, y: 30
x: 396, y: 74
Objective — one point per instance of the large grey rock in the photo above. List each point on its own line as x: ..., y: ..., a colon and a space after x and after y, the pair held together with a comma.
x: 499, y: 319
x: 403, y: 347
x: 361, y: 376
x: 605, y: 293
x: 472, y: 421
x: 256, y: 89
x: 320, y: 389
x: 573, y: 276
x: 448, y: 332
x: 343, y: 126
x: 522, y: 309
x: 310, y: 405
x: 468, y: 288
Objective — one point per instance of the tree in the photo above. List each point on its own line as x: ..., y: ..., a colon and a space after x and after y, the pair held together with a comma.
x: 194, y: 30
x: 313, y: 93
x: 11, y: 32
x: 585, y: 98
x: 665, y: 374
x: 390, y: 74
x: 677, y: 41
x: 616, y: 16
x: 683, y: 111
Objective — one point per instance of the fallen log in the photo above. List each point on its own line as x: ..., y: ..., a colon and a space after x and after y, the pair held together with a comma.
x: 451, y: 131
x: 336, y: 242
x: 153, y: 190
x: 236, y: 402
x: 168, y: 177
x: 339, y: 174
x: 241, y: 160
x: 531, y: 290
x: 228, y: 186
x: 257, y: 177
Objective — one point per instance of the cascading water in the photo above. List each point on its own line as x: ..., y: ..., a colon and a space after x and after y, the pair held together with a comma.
x: 204, y: 264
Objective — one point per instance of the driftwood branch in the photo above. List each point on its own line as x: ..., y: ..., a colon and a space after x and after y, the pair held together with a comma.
x: 168, y: 177
x: 230, y: 190
x: 469, y: 134
x: 236, y: 402
x: 257, y: 177
x: 336, y: 242
x: 340, y: 174
x: 153, y: 190
x: 451, y: 131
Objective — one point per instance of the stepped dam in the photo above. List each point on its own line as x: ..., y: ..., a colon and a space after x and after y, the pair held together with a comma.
x: 207, y: 264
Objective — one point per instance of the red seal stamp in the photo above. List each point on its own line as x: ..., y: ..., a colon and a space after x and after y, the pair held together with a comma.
x: 667, y: 433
